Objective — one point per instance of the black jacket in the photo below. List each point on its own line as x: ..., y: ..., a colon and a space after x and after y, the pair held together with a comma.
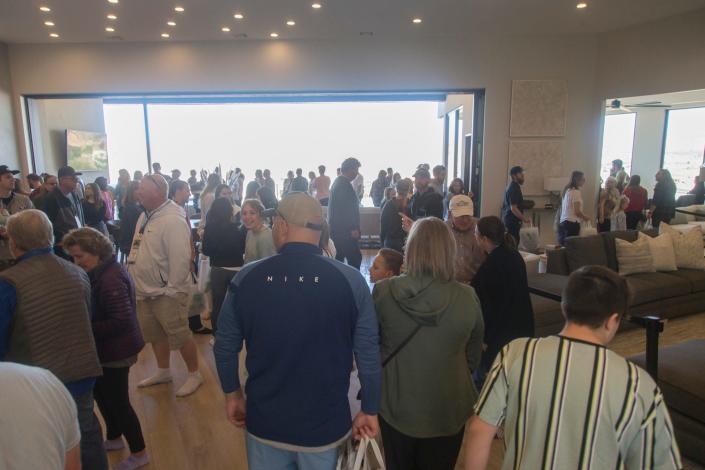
x: 63, y: 212
x: 391, y: 234
x: 343, y: 208
x: 224, y: 244
x: 426, y: 204
x: 664, y: 199
x: 128, y: 220
x: 503, y: 289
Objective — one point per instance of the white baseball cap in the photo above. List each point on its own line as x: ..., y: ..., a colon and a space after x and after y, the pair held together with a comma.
x: 461, y: 205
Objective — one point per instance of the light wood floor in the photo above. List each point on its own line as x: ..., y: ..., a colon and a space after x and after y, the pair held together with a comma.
x: 193, y: 433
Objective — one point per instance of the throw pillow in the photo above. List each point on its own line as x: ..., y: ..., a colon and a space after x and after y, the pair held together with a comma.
x: 688, y: 246
x: 662, y: 252
x: 634, y: 257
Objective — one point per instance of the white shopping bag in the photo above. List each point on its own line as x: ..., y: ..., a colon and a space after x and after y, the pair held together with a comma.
x: 529, y: 240
x: 204, y: 274
x: 367, y: 456
x: 586, y: 229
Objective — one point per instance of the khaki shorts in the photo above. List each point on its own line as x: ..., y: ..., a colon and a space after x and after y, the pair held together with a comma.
x: 165, y: 317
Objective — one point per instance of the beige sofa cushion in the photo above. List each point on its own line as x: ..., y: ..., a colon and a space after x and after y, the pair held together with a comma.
x: 662, y: 252
x: 634, y: 257
x: 688, y: 246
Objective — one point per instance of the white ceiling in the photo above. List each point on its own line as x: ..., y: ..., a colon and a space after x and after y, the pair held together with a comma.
x: 144, y: 20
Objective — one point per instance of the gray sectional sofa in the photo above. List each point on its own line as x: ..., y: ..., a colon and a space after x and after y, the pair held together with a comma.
x: 668, y: 294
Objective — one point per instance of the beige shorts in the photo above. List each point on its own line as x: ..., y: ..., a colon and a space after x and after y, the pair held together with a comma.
x: 165, y: 317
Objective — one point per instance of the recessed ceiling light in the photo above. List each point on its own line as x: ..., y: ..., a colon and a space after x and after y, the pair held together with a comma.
x: 238, y: 16
x: 274, y: 35
x: 45, y: 9
x: 165, y: 35
x: 225, y: 29
x: 111, y: 17
x: 291, y: 23
x: 416, y: 20
x: 54, y: 35
x: 581, y: 5
x: 316, y: 6
x: 179, y: 9
x: 113, y: 1
x: 49, y: 23
x: 171, y: 23
x: 110, y: 29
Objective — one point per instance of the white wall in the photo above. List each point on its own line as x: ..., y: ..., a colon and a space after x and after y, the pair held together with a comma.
x: 8, y: 143
x: 648, y: 142
x: 51, y: 118
x: 657, y: 57
x: 482, y: 61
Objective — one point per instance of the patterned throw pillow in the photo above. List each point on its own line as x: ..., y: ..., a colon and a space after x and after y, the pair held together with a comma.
x: 688, y: 246
x: 662, y: 251
x: 634, y: 257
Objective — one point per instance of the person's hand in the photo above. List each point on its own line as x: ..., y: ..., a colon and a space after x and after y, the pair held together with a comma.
x: 527, y: 220
x: 601, y: 220
x: 406, y: 222
x: 365, y: 425
x: 235, y: 408
x: 3, y: 232
x: 355, y: 234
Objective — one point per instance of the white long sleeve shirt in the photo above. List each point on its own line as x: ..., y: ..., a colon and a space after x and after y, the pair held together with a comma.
x: 161, y: 263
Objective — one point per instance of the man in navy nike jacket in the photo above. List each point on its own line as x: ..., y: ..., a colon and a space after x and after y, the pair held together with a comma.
x: 302, y: 316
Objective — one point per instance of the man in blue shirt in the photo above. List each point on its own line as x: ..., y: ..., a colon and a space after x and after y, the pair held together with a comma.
x: 303, y: 316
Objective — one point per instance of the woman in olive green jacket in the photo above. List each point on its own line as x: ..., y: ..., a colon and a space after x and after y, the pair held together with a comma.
x: 427, y: 387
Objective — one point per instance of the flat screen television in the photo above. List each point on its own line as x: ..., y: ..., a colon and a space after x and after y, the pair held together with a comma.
x: 87, y: 151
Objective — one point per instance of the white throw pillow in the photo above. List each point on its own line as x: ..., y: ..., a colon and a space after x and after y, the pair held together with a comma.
x: 634, y: 257
x: 662, y: 251
x: 688, y: 246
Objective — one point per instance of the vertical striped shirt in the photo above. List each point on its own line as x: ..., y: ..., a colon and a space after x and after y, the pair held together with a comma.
x: 570, y: 404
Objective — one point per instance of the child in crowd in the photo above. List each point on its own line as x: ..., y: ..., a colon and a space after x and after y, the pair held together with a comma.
x: 619, y: 218
x: 386, y: 264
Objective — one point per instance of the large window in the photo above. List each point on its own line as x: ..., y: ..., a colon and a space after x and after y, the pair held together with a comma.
x: 685, y: 146
x: 279, y: 136
x: 617, y: 142
x: 127, y: 146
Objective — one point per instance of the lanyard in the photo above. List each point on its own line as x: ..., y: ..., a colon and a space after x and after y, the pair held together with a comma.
x: 148, y: 217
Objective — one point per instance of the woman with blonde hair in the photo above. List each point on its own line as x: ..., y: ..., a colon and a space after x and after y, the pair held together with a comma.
x: 431, y: 332
x: 118, y: 339
x: 607, y: 204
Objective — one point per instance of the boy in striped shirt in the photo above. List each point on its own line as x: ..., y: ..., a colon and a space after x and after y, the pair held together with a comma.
x: 568, y: 402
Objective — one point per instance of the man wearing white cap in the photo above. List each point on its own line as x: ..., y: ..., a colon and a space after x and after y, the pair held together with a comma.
x: 462, y: 224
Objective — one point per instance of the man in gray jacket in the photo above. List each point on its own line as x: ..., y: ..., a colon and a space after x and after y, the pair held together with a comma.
x: 10, y: 203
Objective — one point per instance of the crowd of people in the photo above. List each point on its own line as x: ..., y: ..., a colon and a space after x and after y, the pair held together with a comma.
x: 446, y: 334
x: 622, y: 204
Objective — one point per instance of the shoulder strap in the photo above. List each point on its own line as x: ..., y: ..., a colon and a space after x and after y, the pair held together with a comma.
x: 401, y: 345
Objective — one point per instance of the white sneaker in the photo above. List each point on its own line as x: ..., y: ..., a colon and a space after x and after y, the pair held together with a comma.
x: 161, y: 377
x: 114, y: 444
x: 192, y: 383
x: 132, y: 462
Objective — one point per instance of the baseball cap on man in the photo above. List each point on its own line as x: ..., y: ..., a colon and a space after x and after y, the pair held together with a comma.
x: 461, y: 205
x: 302, y: 210
x: 5, y: 170
x: 422, y: 173
x: 67, y: 171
